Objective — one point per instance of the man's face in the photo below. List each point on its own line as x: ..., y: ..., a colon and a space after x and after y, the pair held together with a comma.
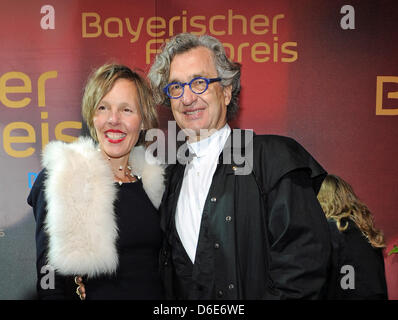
x: 204, y: 111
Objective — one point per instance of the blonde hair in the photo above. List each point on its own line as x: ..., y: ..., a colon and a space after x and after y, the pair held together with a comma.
x: 101, y: 81
x: 339, y: 202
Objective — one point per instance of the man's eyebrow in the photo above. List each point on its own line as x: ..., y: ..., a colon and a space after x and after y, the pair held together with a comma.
x: 191, y: 77
x: 173, y: 80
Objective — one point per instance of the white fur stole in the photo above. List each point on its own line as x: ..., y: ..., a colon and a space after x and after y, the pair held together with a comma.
x: 80, y: 193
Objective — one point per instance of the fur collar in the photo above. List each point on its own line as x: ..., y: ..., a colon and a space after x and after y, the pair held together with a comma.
x: 80, y: 193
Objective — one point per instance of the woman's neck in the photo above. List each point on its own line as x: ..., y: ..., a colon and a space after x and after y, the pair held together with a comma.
x: 120, y: 168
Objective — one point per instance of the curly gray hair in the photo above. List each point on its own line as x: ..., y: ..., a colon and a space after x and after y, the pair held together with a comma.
x: 227, y: 70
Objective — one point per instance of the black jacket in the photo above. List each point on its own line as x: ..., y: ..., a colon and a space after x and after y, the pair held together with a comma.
x: 272, y: 236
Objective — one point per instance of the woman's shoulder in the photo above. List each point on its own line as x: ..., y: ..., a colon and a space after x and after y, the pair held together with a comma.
x: 348, y: 230
x: 351, y: 239
x: 40, y: 179
x: 59, y: 152
x: 37, y: 188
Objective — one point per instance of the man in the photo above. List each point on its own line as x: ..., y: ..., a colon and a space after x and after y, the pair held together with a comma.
x: 257, y: 235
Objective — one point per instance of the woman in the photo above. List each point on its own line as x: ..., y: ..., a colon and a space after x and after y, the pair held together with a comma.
x: 357, y: 263
x: 96, y: 204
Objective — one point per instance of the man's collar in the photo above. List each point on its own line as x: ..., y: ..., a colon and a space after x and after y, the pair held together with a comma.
x: 237, y: 146
x: 212, y: 144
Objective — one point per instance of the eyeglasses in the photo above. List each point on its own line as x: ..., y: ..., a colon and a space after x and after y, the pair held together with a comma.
x: 198, y: 85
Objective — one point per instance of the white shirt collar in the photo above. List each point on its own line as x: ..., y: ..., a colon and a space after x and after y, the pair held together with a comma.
x: 212, y: 144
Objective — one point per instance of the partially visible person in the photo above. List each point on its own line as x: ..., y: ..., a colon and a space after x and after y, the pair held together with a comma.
x: 358, y: 264
x: 95, y: 203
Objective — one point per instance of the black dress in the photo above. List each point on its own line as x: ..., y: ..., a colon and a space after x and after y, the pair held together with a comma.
x: 138, y: 247
x: 139, y: 240
x: 352, y: 249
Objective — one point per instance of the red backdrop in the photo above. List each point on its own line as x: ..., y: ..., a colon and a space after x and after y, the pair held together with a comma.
x: 304, y: 75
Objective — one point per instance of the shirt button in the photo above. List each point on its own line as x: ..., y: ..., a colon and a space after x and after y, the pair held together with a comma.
x: 231, y: 286
x: 214, y: 199
x: 234, y: 168
x: 228, y: 218
x: 216, y: 245
x: 220, y: 293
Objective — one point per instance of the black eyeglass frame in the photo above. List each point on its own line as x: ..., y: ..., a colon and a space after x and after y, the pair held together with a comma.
x: 208, y: 81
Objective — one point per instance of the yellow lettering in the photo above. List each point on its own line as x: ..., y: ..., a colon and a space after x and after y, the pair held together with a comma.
x: 134, y: 33
x: 59, y: 135
x: 231, y: 17
x: 211, y: 25
x: 8, y: 139
x: 241, y: 46
x: 156, y: 26
x: 119, y: 23
x: 256, y: 52
x: 94, y: 24
x: 293, y: 54
x: 184, y: 21
x: 259, y: 20
x: 275, y: 49
x: 193, y: 24
x: 149, y: 51
x: 171, y: 25
x: 275, y: 22
x: 41, y: 91
x: 44, y: 135
x: 4, y: 89
x: 380, y: 111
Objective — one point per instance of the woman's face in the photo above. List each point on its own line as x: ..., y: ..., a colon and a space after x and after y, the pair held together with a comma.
x: 117, y: 119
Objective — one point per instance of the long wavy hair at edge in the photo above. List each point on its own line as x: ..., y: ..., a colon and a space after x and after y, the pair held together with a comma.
x: 339, y: 202
x: 102, y: 80
x: 227, y: 70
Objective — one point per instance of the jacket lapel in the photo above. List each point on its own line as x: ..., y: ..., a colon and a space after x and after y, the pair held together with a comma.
x: 174, y: 177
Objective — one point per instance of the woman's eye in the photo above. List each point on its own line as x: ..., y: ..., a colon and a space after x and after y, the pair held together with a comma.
x: 101, y: 108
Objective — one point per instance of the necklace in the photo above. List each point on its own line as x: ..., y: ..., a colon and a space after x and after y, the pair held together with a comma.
x: 128, y: 175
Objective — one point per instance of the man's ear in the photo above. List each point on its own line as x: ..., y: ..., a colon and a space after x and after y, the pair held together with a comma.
x: 227, y: 91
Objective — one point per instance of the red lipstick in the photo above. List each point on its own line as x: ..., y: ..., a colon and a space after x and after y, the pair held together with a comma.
x: 114, y: 140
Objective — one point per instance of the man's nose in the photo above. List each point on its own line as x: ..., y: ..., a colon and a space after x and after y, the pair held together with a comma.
x: 188, y: 96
